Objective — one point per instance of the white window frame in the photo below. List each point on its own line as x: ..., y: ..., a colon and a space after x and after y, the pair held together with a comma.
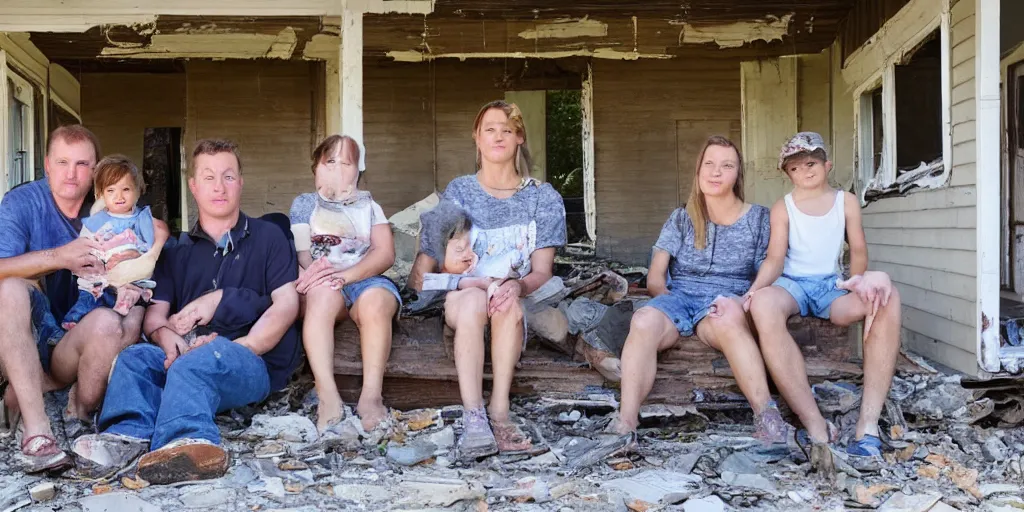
x: 885, y: 175
x: 24, y: 93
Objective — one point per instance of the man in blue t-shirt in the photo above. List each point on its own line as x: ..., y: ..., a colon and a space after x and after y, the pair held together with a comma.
x: 39, y: 250
x: 223, y: 327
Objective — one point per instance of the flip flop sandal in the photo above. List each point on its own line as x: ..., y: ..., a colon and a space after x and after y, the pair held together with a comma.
x: 41, y: 453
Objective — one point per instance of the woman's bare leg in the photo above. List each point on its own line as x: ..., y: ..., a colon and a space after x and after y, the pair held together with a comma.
x: 650, y: 332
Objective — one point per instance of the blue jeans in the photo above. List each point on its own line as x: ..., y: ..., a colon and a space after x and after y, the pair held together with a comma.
x: 146, y: 402
x: 86, y: 303
x: 352, y: 291
x: 44, y: 326
x: 814, y: 294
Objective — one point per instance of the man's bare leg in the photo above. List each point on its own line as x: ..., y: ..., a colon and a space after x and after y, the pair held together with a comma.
x: 19, y: 356
x: 881, y: 350
x: 86, y: 353
x: 771, y: 307
x: 650, y: 332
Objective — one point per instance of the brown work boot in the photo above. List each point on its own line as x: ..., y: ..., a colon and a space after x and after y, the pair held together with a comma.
x: 184, y: 460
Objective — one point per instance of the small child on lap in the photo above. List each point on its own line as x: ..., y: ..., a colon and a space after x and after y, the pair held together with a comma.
x: 124, y: 231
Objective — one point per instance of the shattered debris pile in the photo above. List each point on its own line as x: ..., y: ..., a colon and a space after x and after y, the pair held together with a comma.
x: 951, y: 449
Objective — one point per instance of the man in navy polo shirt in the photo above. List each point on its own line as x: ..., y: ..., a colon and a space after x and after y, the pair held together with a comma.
x: 230, y: 341
x: 39, y: 226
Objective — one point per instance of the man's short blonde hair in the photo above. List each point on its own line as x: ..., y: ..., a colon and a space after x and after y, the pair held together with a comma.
x: 213, y: 147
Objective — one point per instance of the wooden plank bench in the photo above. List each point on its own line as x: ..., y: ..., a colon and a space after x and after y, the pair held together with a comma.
x: 421, y: 374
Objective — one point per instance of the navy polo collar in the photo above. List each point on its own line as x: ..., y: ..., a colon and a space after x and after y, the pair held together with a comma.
x: 227, y: 244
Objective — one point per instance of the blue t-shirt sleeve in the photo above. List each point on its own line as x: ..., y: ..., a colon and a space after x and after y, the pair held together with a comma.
x: 763, y: 226
x: 144, y: 228
x: 302, y: 209
x: 550, y: 218
x: 15, y: 239
x: 671, y: 238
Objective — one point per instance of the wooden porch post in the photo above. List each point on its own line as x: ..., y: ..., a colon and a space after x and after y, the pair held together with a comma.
x: 986, y: 83
x: 350, y: 72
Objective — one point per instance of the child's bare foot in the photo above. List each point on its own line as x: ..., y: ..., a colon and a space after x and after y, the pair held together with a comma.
x: 371, y: 413
x: 328, y: 413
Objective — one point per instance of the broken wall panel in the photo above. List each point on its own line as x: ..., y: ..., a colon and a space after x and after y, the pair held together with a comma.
x: 865, y: 19
x: 640, y: 167
x: 265, y: 107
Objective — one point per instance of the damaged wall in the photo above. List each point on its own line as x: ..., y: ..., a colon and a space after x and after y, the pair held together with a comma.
x: 651, y: 119
x: 926, y: 241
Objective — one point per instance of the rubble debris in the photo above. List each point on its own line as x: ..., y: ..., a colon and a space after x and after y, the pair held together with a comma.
x: 412, y: 454
x: 707, y: 504
x: 43, y: 492
x: 291, y: 428
x: 657, y: 486
x: 122, y: 502
x: 438, y: 492
x: 749, y: 481
x: 900, y: 502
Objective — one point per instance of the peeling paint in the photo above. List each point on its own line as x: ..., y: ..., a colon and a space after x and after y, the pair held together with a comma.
x: 567, y: 28
x: 284, y: 45
x: 600, y: 53
x: 322, y: 47
x: 736, y: 34
x: 213, y: 46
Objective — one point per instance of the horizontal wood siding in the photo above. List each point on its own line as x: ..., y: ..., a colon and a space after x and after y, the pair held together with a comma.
x: 266, y: 107
x: 398, y: 126
x: 638, y: 106
x: 927, y: 241
x: 118, y: 107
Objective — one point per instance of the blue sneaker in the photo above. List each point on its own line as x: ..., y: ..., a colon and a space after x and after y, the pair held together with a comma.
x: 867, y: 446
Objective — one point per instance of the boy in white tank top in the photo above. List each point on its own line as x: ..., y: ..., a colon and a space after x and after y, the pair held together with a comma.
x: 803, y: 275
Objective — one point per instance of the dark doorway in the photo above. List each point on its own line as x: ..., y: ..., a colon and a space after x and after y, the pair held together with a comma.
x: 565, y: 157
x: 161, y: 168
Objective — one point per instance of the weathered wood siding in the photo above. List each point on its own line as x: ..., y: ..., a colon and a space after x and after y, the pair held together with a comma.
x: 650, y: 121
x: 118, y: 107
x: 926, y: 241
x: 264, y: 106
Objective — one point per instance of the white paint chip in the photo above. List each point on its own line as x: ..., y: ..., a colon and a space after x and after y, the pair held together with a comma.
x: 566, y: 29
x: 736, y: 34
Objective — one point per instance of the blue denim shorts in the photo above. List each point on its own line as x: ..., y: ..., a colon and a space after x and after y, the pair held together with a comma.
x: 352, y: 291
x: 685, y: 310
x: 814, y: 294
x: 45, y: 328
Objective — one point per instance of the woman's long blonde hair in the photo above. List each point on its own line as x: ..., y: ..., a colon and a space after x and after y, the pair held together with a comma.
x: 523, y: 160
x: 696, y: 206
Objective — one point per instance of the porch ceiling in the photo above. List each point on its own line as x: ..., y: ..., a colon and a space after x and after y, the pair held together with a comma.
x: 459, y: 28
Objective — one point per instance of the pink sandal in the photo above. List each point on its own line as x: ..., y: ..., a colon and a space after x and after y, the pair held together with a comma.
x: 41, y: 453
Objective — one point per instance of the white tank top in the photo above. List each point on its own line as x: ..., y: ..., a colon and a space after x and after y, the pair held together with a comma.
x: 815, y: 242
